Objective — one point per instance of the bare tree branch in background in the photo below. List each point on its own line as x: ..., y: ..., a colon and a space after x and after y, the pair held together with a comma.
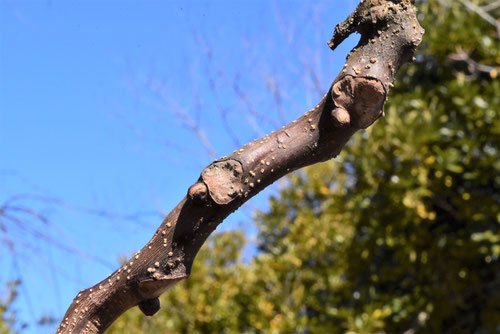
x: 474, y: 68
x: 232, y: 101
x: 28, y: 233
x: 461, y: 56
x: 483, y: 14
x: 241, y: 108
x: 491, y: 6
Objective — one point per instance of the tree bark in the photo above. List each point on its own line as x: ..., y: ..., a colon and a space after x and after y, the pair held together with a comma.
x: 390, y: 34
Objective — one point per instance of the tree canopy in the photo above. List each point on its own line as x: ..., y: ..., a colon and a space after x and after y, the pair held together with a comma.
x: 399, y: 233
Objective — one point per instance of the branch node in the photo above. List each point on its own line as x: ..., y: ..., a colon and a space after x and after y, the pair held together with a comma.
x: 341, y: 117
x: 359, y: 101
x: 149, y: 306
x: 198, y: 193
x: 224, y: 180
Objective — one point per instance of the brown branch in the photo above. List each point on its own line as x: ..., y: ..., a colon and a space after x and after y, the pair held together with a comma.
x: 475, y: 69
x: 389, y: 35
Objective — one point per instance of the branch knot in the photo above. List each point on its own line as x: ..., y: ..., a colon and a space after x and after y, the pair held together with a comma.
x: 358, y: 101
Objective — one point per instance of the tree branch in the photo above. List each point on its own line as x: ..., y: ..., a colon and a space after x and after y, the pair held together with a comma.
x: 475, y: 69
x: 390, y: 34
x: 483, y: 13
x: 491, y: 6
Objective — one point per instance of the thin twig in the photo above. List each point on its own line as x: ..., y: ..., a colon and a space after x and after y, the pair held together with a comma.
x: 473, y: 66
x: 483, y: 14
x: 491, y: 6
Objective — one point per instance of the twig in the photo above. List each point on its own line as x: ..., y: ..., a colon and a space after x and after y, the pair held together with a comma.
x: 474, y: 67
x: 483, y: 14
x: 491, y: 6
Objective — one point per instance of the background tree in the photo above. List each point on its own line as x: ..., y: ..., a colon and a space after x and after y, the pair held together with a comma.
x: 400, y: 235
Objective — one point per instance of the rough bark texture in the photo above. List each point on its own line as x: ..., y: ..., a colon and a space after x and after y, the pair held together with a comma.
x: 390, y: 34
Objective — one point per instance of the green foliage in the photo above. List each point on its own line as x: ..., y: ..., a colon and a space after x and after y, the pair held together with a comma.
x: 400, y: 233
x: 7, y: 315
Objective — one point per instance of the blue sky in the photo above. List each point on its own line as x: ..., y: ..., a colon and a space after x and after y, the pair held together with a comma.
x: 110, y: 109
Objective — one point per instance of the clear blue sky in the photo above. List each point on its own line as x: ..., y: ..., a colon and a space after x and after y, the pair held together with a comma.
x: 96, y: 100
